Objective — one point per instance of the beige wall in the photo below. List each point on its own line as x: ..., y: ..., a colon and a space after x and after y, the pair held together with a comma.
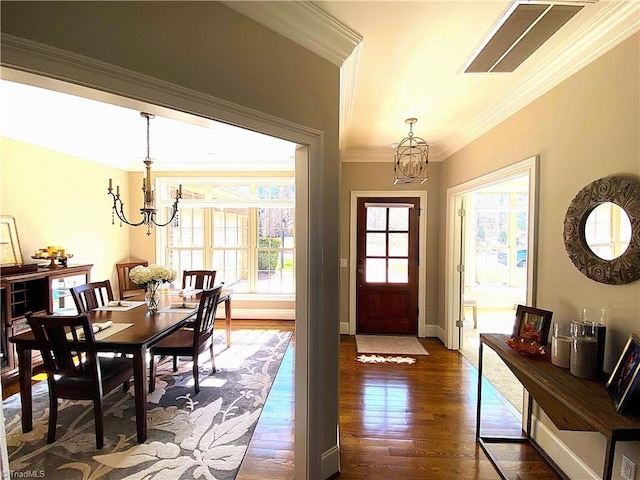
x: 217, y: 52
x: 376, y: 176
x: 58, y: 199
x: 586, y: 128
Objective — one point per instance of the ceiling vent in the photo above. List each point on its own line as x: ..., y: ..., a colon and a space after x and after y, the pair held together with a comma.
x: 520, y: 32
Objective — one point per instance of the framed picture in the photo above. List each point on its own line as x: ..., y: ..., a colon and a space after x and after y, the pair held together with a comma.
x: 625, y: 376
x: 10, y: 253
x: 532, y: 324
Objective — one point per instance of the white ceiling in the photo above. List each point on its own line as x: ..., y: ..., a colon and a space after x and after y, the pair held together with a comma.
x: 117, y: 136
x: 398, y: 59
x: 410, y: 60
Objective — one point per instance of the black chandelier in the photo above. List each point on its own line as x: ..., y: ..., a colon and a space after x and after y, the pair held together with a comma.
x: 148, y: 211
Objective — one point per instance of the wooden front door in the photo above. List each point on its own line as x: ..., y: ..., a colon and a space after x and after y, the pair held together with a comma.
x: 387, y: 265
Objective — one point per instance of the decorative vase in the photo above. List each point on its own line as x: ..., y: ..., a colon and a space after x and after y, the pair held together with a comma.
x: 151, y: 298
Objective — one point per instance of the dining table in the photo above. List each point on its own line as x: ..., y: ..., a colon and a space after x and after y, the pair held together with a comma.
x: 133, y: 330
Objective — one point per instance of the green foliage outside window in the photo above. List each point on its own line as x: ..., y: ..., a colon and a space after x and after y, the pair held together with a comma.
x: 268, y: 260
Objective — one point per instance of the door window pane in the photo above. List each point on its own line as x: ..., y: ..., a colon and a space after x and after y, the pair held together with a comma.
x: 398, y: 244
x: 376, y: 218
x: 375, y: 270
x: 398, y: 270
x: 376, y: 245
x: 399, y: 219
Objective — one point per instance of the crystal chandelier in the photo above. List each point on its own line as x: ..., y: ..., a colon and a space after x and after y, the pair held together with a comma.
x: 411, y: 158
x: 148, y: 211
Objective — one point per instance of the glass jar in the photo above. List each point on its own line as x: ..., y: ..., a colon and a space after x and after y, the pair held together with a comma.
x: 584, y: 351
x: 594, y: 322
x: 561, y: 345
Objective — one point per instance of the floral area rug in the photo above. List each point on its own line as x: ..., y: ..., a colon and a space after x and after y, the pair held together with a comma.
x: 189, y: 436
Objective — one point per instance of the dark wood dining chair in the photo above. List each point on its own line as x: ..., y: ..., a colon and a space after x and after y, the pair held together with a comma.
x: 190, y: 342
x: 198, y: 279
x: 74, y: 370
x: 126, y: 287
x: 92, y: 295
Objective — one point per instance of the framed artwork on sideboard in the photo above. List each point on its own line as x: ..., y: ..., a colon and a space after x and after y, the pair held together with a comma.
x: 10, y: 252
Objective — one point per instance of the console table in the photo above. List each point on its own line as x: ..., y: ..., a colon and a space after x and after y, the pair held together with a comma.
x: 571, y: 403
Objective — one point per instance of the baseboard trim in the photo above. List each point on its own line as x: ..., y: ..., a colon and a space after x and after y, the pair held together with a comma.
x: 566, y: 459
x: 330, y: 462
x: 430, y: 330
x: 259, y: 314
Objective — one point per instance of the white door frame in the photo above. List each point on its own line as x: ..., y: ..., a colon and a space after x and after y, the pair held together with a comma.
x: 452, y: 243
x: 350, y: 329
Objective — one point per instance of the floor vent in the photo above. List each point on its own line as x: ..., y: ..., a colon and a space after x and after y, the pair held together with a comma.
x: 519, y: 33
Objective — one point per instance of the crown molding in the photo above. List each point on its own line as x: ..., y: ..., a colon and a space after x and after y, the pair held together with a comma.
x: 304, y: 23
x: 617, y: 22
x: 58, y: 65
x: 311, y: 27
x: 367, y: 154
x: 385, y: 154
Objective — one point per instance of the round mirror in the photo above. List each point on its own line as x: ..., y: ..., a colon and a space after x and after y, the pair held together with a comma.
x: 607, y: 231
x: 613, y: 204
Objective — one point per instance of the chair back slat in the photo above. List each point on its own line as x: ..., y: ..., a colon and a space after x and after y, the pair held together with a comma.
x: 92, y: 295
x: 125, y: 285
x: 206, y: 315
x: 67, y: 344
x: 198, y: 279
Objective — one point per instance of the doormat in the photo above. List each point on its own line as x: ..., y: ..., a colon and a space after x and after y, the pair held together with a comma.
x: 381, y: 359
x: 389, y: 344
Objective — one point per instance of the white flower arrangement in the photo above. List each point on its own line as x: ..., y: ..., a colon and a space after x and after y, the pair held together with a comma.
x: 151, y: 276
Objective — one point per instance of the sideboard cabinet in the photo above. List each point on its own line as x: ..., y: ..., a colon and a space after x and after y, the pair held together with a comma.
x: 43, y: 290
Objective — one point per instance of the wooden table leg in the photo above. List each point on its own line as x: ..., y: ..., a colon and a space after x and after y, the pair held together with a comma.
x: 227, y: 318
x: 25, y: 371
x: 140, y: 392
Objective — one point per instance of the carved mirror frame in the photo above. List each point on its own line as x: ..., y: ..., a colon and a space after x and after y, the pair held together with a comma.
x: 624, y: 191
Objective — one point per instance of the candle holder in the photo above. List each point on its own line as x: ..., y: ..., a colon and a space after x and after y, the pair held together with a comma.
x: 52, y: 255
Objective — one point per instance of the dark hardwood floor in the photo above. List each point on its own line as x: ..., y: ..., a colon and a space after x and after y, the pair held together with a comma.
x: 400, y: 421
x: 396, y: 421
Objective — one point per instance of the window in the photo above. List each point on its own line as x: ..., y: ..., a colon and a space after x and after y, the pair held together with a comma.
x: 387, y: 244
x: 500, y: 238
x: 244, y: 231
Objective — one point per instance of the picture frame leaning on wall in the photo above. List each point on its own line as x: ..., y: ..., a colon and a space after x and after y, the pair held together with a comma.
x: 624, y: 378
x: 10, y: 252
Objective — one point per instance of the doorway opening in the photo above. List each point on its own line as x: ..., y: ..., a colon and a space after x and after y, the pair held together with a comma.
x: 492, y: 266
x: 306, y: 157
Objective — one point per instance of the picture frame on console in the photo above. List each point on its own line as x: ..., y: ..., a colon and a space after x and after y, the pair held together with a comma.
x: 625, y: 375
x: 532, y: 324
